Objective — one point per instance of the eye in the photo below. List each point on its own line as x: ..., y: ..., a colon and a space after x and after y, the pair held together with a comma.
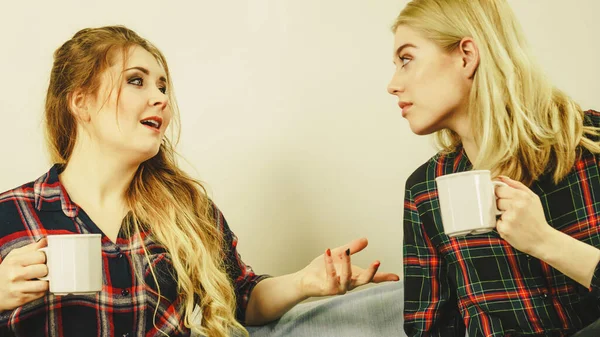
x: 163, y: 90
x: 136, y: 81
x: 404, y: 60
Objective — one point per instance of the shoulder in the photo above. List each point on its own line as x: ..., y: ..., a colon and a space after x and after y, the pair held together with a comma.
x: 438, y: 165
x: 15, y: 205
x: 592, y: 118
x: 9, y: 199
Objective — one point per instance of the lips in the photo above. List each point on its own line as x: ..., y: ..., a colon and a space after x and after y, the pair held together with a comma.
x: 153, y: 122
x: 404, y: 106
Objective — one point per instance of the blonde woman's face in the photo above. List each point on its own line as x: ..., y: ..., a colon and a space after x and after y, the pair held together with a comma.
x: 131, y: 112
x: 428, y: 82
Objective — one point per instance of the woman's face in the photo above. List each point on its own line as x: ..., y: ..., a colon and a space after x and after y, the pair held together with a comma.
x: 432, y: 85
x: 130, y: 113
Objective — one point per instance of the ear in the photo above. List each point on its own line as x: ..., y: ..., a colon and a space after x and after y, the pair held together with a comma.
x: 78, y: 104
x: 469, y: 54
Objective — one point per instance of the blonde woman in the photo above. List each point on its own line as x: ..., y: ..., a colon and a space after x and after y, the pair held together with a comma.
x: 166, y: 248
x: 465, y: 74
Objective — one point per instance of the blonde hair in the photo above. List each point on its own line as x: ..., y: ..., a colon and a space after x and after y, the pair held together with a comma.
x: 163, y: 199
x: 525, y: 127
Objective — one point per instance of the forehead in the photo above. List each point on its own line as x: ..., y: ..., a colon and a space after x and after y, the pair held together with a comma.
x: 405, y: 34
x: 137, y: 56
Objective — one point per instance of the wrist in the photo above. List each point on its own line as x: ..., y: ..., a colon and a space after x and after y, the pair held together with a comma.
x: 550, y: 247
x: 297, y: 281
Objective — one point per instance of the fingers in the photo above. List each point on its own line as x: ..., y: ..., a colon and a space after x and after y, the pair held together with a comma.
x: 35, y: 287
x: 367, y: 275
x: 510, y: 193
x: 371, y: 275
x: 332, y: 278
x: 35, y: 271
x: 32, y: 247
x: 506, y: 192
x: 355, y: 246
x: 502, y: 204
x: 30, y: 297
x: 346, y: 273
x: 385, y: 277
x: 30, y: 258
x: 516, y: 184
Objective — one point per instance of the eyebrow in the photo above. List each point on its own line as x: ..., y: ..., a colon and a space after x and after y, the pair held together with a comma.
x: 406, y: 45
x: 146, y: 71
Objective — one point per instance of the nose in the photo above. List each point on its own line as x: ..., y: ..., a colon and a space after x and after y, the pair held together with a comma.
x: 159, y: 99
x: 395, y: 86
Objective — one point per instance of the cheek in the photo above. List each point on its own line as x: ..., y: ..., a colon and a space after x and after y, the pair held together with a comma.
x: 130, y: 107
x: 439, y: 88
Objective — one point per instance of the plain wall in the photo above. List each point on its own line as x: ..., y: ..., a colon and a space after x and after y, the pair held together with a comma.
x: 284, y: 106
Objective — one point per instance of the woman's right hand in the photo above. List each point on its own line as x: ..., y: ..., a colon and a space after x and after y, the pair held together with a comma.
x: 18, y: 276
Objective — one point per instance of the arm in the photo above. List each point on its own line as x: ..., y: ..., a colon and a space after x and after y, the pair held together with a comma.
x: 523, y: 224
x: 574, y: 258
x: 328, y: 274
x: 430, y: 308
x: 242, y: 276
x: 272, y: 298
x: 260, y: 298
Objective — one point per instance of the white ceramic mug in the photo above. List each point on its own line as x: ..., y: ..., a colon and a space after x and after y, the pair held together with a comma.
x: 74, y: 263
x: 468, y: 202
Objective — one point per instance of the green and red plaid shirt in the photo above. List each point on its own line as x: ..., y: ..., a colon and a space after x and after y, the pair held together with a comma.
x: 480, y: 283
x: 126, y: 305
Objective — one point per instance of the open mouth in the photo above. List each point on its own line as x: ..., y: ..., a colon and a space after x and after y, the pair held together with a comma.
x: 153, y: 122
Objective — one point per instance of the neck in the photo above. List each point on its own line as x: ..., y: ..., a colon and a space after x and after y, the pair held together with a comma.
x: 471, y: 149
x: 97, y: 179
x: 462, y: 127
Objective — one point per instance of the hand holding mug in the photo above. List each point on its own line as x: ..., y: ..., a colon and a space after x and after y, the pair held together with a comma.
x: 523, y: 223
x: 19, y: 273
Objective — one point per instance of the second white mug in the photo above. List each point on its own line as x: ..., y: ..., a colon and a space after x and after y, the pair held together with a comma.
x: 467, y: 202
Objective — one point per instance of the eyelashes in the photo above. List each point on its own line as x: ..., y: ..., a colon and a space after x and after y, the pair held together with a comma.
x: 139, y: 81
x: 404, y: 60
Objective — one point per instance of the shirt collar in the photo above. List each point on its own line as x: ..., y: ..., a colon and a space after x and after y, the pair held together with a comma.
x: 50, y: 194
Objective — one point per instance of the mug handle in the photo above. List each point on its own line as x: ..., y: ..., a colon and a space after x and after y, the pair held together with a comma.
x: 47, y: 277
x: 496, y: 184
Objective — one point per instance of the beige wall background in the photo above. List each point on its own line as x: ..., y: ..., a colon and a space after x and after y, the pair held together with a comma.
x: 284, y: 107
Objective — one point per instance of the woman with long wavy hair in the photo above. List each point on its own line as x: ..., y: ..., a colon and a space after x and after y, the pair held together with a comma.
x: 465, y: 74
x: 169, y: 258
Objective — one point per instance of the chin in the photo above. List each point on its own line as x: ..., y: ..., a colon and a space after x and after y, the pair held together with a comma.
x: 422, y: 130
x: 148, y: 154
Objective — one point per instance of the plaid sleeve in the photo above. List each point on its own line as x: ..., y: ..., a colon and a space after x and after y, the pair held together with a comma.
x: 4, y: 318
x: 243, y: 277
x: 430, y: 309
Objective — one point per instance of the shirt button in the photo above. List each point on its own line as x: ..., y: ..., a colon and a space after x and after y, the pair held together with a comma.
x: 528, y: 257
x: 124, y: 292
x: 544, y: 295
x: 120, y: 255
x: 126, y: 334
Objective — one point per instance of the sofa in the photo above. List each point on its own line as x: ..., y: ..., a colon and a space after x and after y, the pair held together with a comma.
x: 374, y: 311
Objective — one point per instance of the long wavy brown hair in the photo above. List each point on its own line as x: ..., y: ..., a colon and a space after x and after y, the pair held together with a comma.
x: 163, y: 199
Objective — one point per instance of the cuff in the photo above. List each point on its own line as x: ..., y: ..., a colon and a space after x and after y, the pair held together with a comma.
x: 595, y: 285
x: 242, y: 303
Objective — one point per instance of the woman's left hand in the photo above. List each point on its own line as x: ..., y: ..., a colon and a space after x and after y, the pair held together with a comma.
x: 522, y: 223
x: 332, y: 273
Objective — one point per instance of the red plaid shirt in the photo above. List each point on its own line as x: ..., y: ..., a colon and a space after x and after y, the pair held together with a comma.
x: 126, y: 304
